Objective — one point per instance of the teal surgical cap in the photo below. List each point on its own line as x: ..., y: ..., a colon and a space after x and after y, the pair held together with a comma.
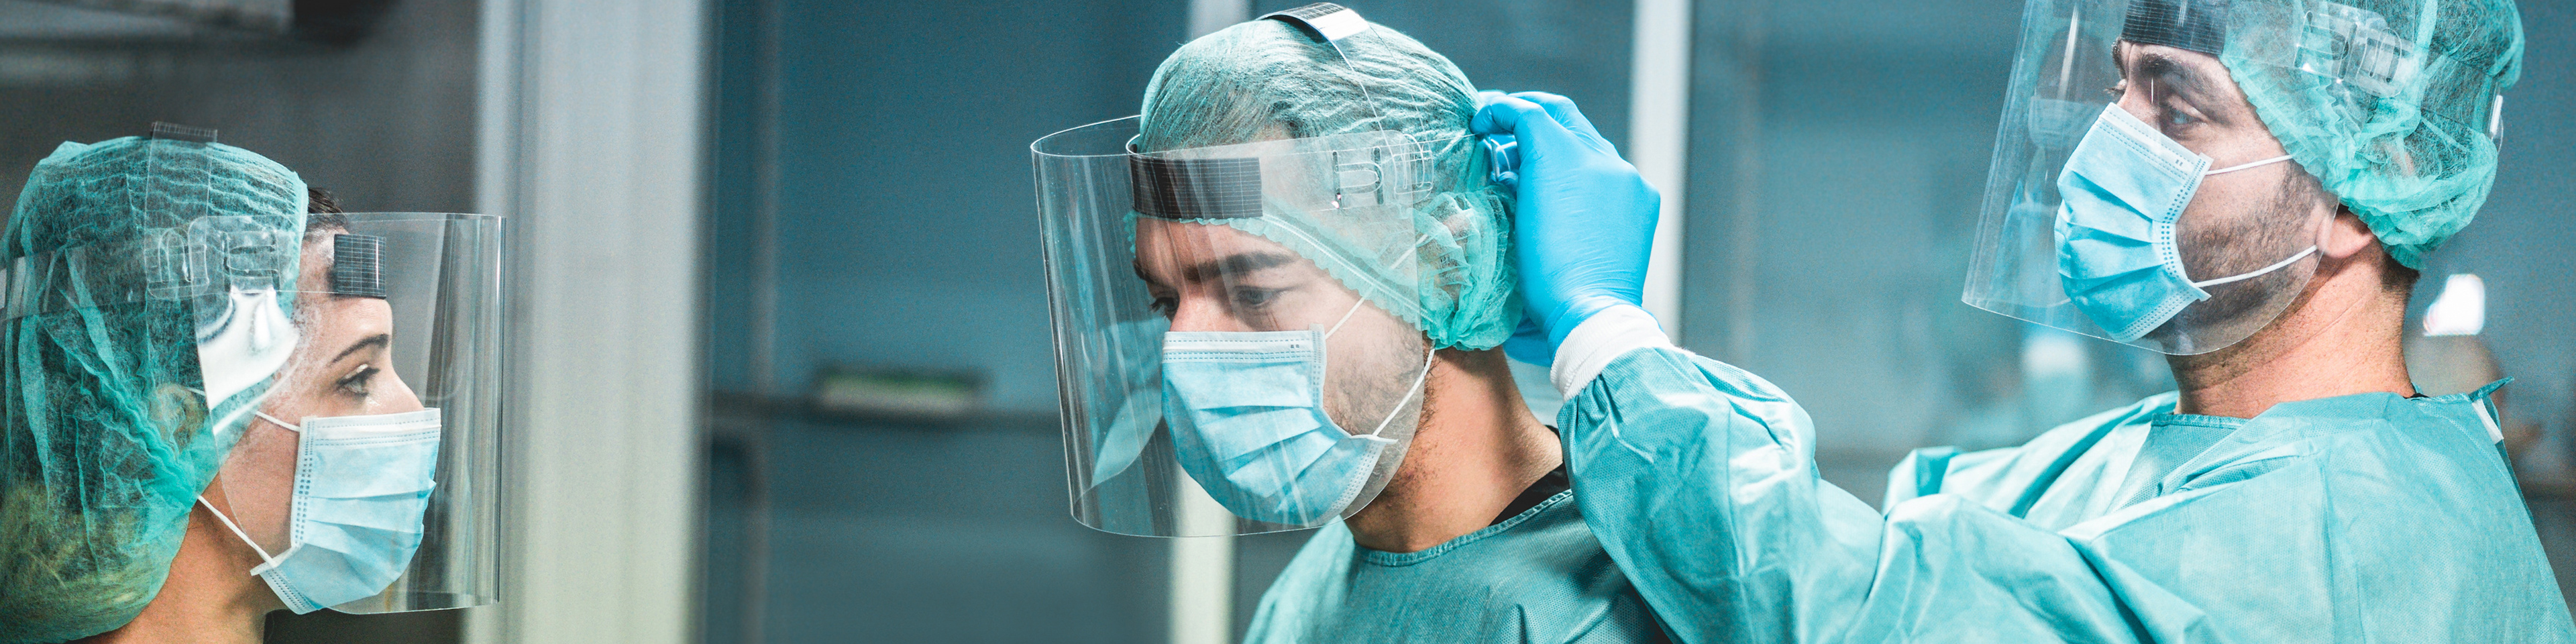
x: 1270, y: 79
x: 106, y: 438
x: 2389, y: 103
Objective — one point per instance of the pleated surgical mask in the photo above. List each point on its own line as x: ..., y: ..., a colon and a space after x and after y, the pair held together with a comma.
x: 362, y: 486
x: 1248, y: 420
x: 2125, y: 189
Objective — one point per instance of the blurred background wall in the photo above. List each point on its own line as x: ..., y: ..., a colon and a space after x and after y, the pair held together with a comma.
x: 385, y: 121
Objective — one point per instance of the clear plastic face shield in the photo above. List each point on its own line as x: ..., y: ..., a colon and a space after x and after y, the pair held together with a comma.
x: 2135, y: 196
x: 370, y: 477
x: 359, y: 361
x: 1233, y: 351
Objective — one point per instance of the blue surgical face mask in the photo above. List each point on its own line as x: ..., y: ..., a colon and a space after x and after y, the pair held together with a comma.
x: 2125, y: 188
x: 362, y: 485
x: 1247, y: 417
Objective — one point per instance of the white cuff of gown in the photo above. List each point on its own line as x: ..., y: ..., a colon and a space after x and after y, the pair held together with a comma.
x: 1604, y: 337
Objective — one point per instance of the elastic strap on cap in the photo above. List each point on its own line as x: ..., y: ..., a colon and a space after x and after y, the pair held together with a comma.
x: 177, y: 132
x: 2355, y: 45
x: 1333, y: 23
x: 173, y: 189
x: 75, y: 278
x: 13, y: 290
x: 1325, y: 20
x: 1231, y: 188
x: 162, y: 266
x: 2495, y: 119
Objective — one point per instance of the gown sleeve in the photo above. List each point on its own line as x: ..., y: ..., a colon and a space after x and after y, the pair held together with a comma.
x: 1699, y: 479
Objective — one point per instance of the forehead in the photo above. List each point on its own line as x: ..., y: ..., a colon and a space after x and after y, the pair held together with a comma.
x: 1163, y: 242
x: 2173, y: 63
x: 318, y: 247
x: 314, y: 282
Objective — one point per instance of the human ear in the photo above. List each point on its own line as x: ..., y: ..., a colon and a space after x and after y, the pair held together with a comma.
x: 2345, y: 236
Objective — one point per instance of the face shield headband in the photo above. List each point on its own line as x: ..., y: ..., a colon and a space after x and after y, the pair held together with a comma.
x: 2354, y: 49
x: 232, y: 272
x: 1366, y: 168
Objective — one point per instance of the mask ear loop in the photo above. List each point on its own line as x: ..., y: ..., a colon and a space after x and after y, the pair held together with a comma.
x: 1409, y: 393
x: 2256, y: 164
x: 267, y: 562
x: 2312, y: 249
x: 273, y: 419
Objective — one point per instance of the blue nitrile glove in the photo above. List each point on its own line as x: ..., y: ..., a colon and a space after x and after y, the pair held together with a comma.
x: 1584, y: 224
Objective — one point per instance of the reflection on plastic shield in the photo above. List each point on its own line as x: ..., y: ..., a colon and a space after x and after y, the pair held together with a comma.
x: 1238, y: 220
x: 432, y: 285
x: 1337, y: 172
x: 2064, y: 65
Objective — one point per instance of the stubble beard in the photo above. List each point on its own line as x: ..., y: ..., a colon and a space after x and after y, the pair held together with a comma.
x: 2275, y: 235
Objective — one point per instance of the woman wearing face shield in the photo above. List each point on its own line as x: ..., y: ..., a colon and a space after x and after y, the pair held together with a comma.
x: 205, y: 422
x: 2248, y: 186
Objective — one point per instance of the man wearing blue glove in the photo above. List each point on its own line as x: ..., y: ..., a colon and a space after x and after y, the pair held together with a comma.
x: 1280, y: 297
x: 2251, y: 204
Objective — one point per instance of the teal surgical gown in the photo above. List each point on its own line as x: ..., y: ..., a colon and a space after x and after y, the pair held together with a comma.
x: 2361, y: 518
x: 1538, y: 577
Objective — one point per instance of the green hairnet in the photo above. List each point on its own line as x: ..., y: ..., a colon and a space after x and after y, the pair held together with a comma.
x: 1266, y: 79
x: 105, y: 437
x: 2386, y: 102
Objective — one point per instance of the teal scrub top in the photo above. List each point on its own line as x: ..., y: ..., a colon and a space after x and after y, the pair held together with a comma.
x: 2361, y: 518
x: 1537, y: 577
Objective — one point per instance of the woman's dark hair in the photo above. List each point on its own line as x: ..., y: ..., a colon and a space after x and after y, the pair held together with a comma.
x: 322, y: 213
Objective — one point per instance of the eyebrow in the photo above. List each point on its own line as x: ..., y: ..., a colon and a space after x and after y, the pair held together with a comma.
x: 378, y: 341
x: 1240, y: 263
x: 1236, y: 264
x: 2174, y: 73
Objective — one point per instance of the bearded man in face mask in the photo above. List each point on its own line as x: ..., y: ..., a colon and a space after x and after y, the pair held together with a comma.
x: 2248, y: 186
x: 1280, y: 294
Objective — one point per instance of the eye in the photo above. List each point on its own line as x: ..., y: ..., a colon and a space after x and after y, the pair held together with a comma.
x: 2178, y: 117
x: 1165, y: 306
x: 1253, y: 298
x: 358, y: 383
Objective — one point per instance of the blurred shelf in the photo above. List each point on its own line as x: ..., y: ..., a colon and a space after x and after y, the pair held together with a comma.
x: 2549, y: 490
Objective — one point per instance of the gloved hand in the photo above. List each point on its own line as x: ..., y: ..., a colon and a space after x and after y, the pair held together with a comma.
x: 1584, y: 224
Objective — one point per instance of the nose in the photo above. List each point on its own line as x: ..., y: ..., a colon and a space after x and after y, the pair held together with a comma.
x: 400, y: 397
x: 2138, y: 104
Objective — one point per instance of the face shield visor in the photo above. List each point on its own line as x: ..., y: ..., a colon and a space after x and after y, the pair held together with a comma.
x: 1238, y: 332
x: 2152, y: 207
x: 356, y: 364
x: 1228, y: 361
x: 164, y: 295
x: 369, y: 479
